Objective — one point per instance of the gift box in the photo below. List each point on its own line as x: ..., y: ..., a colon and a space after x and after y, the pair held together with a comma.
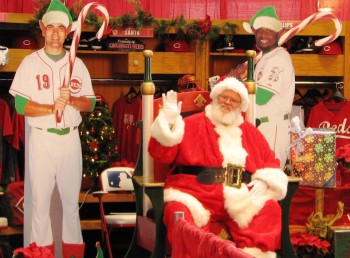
x: 340, y: 239
x: 313, y: 157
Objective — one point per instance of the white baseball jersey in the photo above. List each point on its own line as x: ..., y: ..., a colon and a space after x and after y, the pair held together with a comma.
x: 274, y: 74
x: 39, y: 78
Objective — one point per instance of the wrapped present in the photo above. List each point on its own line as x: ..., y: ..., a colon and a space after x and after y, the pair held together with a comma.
x: 313, y: 157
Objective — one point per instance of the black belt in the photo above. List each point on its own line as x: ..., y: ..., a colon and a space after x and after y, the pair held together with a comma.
x: 230, y: 175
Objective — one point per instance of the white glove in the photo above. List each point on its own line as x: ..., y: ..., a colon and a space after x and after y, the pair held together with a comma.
x: 171, y: 109
x: 258, y: 189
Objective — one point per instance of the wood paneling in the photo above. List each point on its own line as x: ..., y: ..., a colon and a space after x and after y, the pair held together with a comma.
x: 162, y: 63
x: 320, y: 65
x: 15, y: 58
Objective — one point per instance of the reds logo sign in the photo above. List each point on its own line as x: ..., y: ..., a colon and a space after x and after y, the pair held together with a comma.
x: 75, y: 85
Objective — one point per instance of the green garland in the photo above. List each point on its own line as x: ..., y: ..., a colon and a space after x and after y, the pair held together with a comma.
x: 184, y: 30
x: 136, y: 19
x: 194, y: 30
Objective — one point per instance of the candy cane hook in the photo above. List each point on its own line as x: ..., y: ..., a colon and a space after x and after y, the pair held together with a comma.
x: 75, y: 42
x: 314, y: 17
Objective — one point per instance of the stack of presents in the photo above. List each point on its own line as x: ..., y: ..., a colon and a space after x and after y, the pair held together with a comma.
x: 321, y: 205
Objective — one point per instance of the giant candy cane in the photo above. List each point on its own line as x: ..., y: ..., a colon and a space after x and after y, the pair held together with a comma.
x: 75, y: 42
x: 314, y: 17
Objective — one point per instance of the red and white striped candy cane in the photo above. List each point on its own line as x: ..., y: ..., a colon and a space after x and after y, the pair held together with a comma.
x: 75, y: 42
x: 314, y: 17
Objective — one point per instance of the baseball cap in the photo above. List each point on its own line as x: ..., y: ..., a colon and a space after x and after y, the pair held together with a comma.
x: 188, y: 82
x: 304, y: 45
x: 264, y: 18
x: 224, y: 46
x: 24, y: 42
x: 57, y: 12
x: 239, y: 50
x: 332, y: 48
x: 177, y: 46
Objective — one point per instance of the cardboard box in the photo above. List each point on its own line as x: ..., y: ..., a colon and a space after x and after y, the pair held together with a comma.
x: 313, y: 157
x: 340, y: 239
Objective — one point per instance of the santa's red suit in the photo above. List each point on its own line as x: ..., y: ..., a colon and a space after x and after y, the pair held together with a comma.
x: 255, y: 223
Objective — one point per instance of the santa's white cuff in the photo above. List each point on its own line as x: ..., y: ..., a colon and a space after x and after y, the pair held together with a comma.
x: 276, y: 180
x: 240, y: 206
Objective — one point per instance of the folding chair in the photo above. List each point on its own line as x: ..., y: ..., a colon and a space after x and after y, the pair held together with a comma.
x: 114, y: 180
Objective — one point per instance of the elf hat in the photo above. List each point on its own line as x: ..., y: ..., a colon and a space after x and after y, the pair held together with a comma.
x: 231, y: 83
x: 57, y: 12
x: 265, y: 18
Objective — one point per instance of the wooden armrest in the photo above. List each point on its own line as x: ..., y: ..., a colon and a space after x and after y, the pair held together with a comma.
x: 13, y: 230
x: 148, y: 182
x: 294, y: 179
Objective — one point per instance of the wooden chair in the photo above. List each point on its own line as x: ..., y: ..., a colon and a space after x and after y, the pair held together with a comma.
x: 114, y: 180
x: 150, y: 234
x: 150, y: 231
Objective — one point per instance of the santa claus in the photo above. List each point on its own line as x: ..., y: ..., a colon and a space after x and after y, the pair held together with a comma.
x: 224, y: 170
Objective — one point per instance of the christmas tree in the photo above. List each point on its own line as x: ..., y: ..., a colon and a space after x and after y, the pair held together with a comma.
x: 98, y: 140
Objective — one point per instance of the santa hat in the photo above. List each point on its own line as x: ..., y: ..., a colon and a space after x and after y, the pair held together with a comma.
x: 57, y: 12
x: 231, y: 83
x: 265, y: 18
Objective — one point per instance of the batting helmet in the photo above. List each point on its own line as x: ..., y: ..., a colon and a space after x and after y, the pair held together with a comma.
x: 188, y: 82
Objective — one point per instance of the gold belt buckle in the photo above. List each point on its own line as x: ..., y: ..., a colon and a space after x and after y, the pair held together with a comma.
x: 233, y: 175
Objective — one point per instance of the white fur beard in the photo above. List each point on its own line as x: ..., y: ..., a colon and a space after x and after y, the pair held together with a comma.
x: 221, y: 117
